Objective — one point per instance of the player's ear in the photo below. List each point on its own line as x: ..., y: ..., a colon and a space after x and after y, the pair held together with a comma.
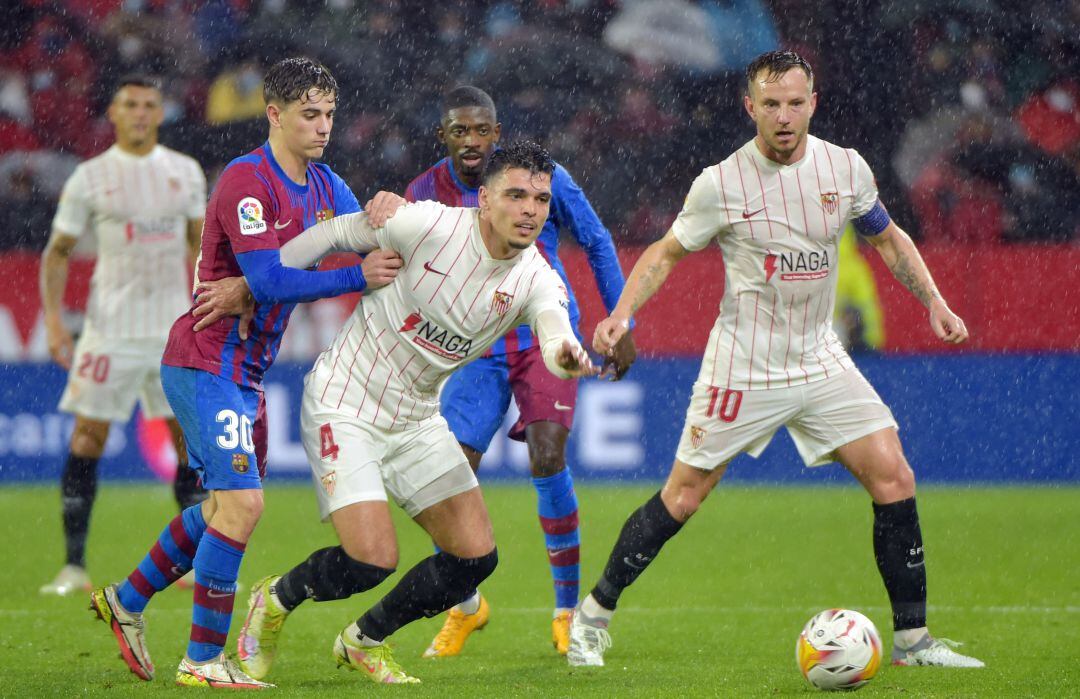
x: 748, y: 104
x: 813, y: 103
x: 440, y: 134
x: 498, y: 132
x: 273, y: 114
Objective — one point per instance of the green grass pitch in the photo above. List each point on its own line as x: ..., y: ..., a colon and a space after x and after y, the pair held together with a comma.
x: 716, y: 615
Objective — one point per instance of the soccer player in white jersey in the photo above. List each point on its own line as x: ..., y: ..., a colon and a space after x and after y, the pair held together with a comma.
x: 777, y: 208
x: 144, y: 203
x: 370, y: 416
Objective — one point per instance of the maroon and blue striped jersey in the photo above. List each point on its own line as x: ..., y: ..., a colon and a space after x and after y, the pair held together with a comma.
x: 255, y: 206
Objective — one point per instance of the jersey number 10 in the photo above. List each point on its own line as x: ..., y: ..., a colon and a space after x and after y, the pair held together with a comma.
x: 729, y: 403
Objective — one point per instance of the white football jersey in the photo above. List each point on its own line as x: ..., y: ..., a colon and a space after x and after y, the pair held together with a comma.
x: 449, y: 303
x: 778, y: 227
x: 138, y: 207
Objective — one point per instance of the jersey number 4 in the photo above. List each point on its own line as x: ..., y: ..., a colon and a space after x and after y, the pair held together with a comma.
x: 237, y: 431
x: 329, y: 450
x: 729, y: 403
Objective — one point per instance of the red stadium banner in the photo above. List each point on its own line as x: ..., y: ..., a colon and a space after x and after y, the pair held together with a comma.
x: 1013, y: 299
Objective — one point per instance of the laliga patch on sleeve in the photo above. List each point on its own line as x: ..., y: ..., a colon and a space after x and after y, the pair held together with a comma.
x: 249, y: 212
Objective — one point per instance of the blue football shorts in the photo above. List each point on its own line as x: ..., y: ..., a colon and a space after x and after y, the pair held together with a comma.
x: 224, y: 427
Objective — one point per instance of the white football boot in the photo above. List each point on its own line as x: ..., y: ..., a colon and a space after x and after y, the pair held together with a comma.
x: 587, y: 642
x: 937, y: 652
x: 70, y: 580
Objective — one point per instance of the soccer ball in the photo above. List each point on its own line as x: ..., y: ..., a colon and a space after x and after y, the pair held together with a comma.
x: 838, y: 649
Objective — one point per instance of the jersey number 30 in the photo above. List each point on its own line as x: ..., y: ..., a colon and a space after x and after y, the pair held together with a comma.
x: 237, y: 431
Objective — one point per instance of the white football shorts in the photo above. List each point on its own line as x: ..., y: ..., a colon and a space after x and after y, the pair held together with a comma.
x: 354, y: 461
x: 820, y: 416
x: 108, y: 375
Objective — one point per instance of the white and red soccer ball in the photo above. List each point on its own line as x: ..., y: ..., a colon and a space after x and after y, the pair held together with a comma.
x: 838, y: 649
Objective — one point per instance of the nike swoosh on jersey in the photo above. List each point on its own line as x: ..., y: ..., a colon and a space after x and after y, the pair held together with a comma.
x: 428, y: 267
x: 916, y: 565
x: 560, y: 406
x: 752, y: 213
x: 278, y: 225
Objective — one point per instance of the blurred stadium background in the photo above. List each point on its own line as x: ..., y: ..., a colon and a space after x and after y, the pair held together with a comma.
x: 968, y: 111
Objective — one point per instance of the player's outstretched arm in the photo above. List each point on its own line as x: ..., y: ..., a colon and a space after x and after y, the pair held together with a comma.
x: 907, y: 265
x: 278, y: 276
x: 648, y: 275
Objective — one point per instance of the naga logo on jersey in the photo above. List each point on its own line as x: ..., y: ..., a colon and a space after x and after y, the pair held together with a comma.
x: 435, y: 339
x: 501, y: 302
x: 797, y: 266
x: 249, y: 212
x: 151, y: 229
x: 829, y: 201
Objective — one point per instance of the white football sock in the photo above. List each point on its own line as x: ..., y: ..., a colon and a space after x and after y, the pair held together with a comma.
x: 908, y: 638
x: 471, y: 605
x: 592, y: 610
x: 353, y: 632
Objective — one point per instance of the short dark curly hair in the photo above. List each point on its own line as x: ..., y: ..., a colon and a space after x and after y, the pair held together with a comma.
x: 290, y: 79
x: 526, y: 155
x: 467, y: 96
x: 776, y: 63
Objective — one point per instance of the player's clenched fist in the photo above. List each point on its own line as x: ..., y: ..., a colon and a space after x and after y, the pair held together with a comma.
x: 947, y: 325
x: 61, y: 346
x: 573, y: 358
x: 380, y: 268
x: 608, y: 333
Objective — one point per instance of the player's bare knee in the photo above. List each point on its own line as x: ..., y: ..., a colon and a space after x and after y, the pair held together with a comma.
x: 683, y: 500
x: 383, y: 554
x: 240, y: 509
x: 896, y: 482
x: 88, y: 441
x: 902, y: 482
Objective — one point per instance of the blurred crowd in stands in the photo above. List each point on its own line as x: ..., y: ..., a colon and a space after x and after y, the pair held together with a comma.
x: 968, y: 110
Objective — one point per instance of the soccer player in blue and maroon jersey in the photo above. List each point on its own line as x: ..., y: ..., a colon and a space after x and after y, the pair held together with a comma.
x: 477, y: 396
x: 213, y: 379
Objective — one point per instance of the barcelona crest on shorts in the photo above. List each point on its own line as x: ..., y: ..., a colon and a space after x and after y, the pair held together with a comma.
x: 829, y: 201
x: 240, y: 463
x: 501, y: 302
